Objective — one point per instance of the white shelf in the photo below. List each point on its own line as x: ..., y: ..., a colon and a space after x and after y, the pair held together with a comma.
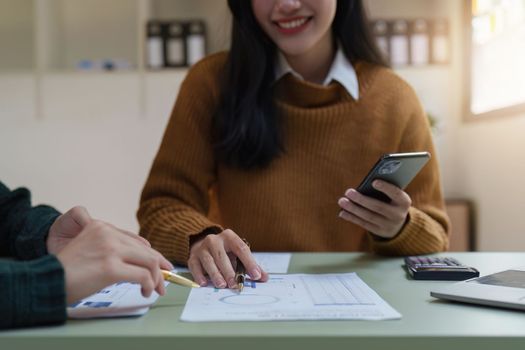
x: 407, y: 8
x: 79, y: 30
x: 47, y: 39
x: 80, y: 73
x: 43, y: 42
x: 72, y: 31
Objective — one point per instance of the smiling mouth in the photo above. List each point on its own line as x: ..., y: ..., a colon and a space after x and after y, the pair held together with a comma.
x: 292, y: 24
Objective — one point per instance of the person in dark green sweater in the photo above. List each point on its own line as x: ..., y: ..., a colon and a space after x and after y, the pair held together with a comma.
x: 55, y: 260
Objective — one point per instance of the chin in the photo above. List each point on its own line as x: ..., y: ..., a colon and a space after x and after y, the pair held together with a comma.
x: 294, y: 49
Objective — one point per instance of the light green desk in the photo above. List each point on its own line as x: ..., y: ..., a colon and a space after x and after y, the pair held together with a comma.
x: 427, y: 323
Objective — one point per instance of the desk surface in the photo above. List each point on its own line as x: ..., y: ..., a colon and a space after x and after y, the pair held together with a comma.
x: 427, y: 322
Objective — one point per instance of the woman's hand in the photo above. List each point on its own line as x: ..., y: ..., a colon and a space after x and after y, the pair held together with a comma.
x: 213, y: 255
x: 382, y: 219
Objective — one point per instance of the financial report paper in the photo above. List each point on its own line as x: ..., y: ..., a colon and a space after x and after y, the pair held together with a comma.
x: 290, y: 297
x: 118, y: 300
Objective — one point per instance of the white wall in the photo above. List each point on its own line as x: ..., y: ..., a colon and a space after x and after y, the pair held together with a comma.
x: 101, y: 165
x: 78, y: 154
x: 492, y: 168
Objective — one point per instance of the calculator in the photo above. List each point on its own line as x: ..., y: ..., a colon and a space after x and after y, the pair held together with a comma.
x: 438, y: 268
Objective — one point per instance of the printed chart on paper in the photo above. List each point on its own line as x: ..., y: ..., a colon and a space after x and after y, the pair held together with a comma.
x: 290, y: 297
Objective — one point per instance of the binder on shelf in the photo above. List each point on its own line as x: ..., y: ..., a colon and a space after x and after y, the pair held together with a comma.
x: 440, y: 46
x: 175, y: 44
x: 399, y: 44
x: 413, y: 42
x: 195, y: 41
x: 155, y: 45
x: 381, y: 35
x: 419, y: 42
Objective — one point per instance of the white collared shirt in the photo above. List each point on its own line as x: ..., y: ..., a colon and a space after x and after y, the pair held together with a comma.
x: 341, y: 71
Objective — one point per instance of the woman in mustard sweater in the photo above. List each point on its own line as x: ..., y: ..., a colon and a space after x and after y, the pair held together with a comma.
x: 269, y: 140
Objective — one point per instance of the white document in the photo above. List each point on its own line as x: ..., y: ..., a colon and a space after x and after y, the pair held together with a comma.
x: 290, y: 297
x: 270, y: 262
x: 273, y: 262
x: 118, y: 300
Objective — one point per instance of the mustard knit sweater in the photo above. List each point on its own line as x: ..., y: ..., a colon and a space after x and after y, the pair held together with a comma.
x: 330, y: 140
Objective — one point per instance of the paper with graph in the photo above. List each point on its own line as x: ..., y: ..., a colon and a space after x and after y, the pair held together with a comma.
x: 290, y: 297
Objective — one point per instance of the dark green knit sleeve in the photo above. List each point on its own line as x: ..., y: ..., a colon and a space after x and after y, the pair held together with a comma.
x: 32, y: 293
x: 23, y: 229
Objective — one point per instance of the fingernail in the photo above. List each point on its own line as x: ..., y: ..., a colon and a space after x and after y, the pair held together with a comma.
x: 255, y: 274
x: 203, y: 283
x: 221, y: 284
x: 376, y: 184
x: 350, y: 193
x: 232, y: 283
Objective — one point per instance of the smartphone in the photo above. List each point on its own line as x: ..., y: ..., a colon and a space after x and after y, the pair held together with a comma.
x: 396, y: 168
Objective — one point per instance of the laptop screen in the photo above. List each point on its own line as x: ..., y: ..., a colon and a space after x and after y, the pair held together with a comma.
x: 509, y: 278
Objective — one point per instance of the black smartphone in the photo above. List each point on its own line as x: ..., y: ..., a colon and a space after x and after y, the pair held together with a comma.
x: 396, y: 168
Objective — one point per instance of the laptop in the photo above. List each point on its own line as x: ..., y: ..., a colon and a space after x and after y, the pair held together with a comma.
x: 503, y: 289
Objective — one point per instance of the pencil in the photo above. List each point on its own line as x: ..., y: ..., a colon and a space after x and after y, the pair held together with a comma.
x: 174, y: 278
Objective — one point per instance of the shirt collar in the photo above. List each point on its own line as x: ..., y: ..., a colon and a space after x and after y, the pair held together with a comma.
x: 341, y: 71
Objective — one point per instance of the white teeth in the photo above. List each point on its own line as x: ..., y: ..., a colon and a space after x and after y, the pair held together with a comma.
x: 292, y: 24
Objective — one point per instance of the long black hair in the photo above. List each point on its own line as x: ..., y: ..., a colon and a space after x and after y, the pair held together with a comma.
x: 247, y: 132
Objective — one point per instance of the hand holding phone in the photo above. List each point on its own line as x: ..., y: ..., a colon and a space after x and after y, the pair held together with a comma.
x: 396, y: 168
x: 381, y: 207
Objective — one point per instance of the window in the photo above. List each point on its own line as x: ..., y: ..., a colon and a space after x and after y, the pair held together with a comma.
x: 496, y: 58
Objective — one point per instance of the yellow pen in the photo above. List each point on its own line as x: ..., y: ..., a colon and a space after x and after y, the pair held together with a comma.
x: 174, y: 278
